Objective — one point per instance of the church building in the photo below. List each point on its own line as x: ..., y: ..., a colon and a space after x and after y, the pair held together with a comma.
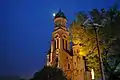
x: 61, y: 56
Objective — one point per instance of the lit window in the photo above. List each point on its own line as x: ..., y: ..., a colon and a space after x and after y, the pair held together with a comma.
x: 63, y: 43
x: 66, y: 44
x: 68, y: 66
x: 77, y: 51
x: 57, y: 23
x: 54, y: 44
x: 57, y: 43
x: 64, y: 36
x: 67, y: 58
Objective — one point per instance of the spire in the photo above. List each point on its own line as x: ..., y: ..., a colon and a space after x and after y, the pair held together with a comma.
x: 60, y: 14
x: 60, y: 10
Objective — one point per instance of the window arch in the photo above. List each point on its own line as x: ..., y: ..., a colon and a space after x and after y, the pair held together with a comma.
x: 63, y: 43
x: 54, y: 44
x: 64, y: 36
x: 66, y: 44
x: 66, y: 57
x: 68, y: 66
x: 56, y: 41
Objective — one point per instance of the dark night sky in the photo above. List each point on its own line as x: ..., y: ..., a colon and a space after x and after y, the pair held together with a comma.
x: 26, y: 27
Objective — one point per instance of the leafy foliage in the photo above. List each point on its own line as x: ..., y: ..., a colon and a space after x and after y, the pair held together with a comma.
x: 85, y: 37
x: 109, y: 36
x: 112, y: 61
x: 49, y: 73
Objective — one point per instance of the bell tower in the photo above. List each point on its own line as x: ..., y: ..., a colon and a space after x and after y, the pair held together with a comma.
x: 59, y: 42
x: 71, y: 62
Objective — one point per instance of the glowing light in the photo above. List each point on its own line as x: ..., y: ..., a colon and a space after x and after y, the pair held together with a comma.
x: 54, y: 14
x: 82, y: 52
x: 92, y: 72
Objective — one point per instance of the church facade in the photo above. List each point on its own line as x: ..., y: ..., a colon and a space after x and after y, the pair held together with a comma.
x: 61, y: 56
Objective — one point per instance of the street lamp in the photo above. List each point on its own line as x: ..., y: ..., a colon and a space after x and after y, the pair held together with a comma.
x: 96, y: 27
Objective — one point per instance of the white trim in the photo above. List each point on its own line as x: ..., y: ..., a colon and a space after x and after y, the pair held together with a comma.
x: 59, y: 43
x: 51, y: 46
x: 56, y: 43
x: 50, y: 57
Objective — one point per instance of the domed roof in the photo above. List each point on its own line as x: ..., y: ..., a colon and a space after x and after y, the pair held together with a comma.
x: 60, y: 14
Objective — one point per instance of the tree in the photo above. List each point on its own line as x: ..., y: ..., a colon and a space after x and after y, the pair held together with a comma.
x: 108, y: 33
x: 112, y: 41
x: 49, y: 73
x: 85, y: 37
x: 112, y: 61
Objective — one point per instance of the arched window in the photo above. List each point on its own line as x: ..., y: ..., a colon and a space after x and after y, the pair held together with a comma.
x: 77, y: 51
x: 57, y: 43
x: 54, y: 44
x: 68, y: 66
x: 66, y: 57
x: 64, y: 36
x: 57, y: 23
x: 63, y: 43
x: 66, y: 44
